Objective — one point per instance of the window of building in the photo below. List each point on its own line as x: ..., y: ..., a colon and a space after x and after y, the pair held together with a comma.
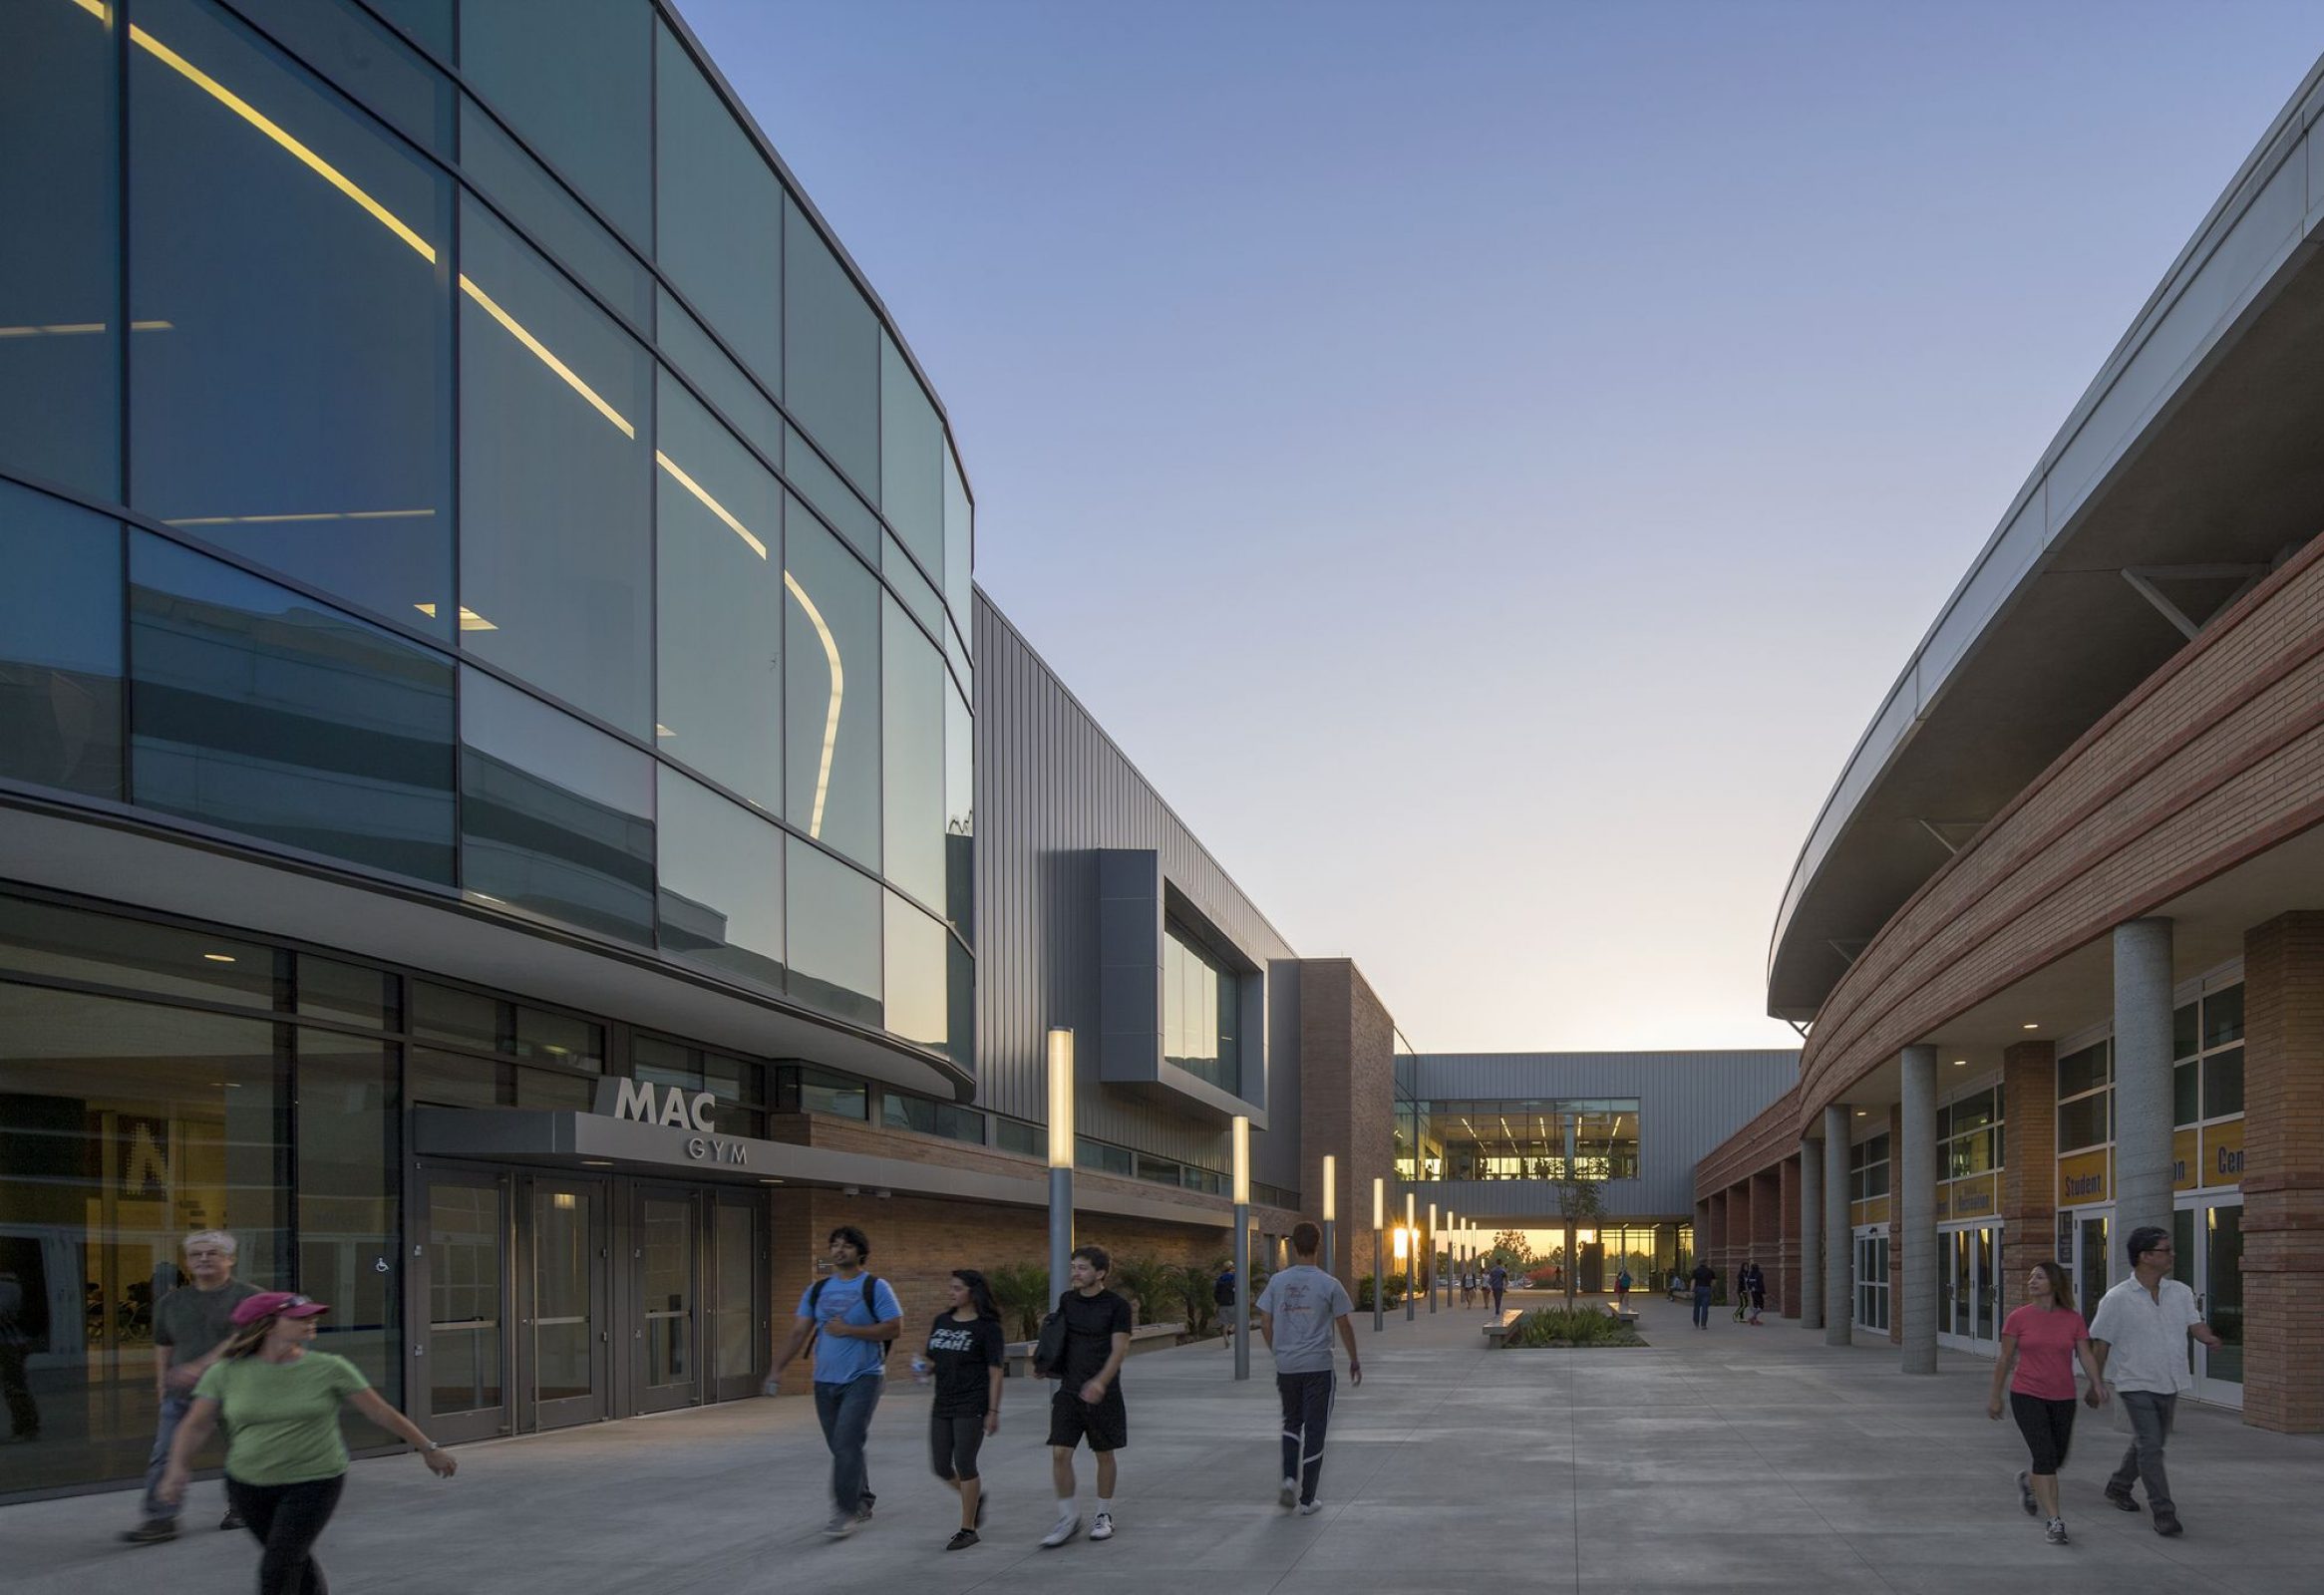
x: 959, y: 538
x: 1520, y: 1139
x: 2208, y: 1085
x: 718, y: 212
x: 830, y: 359
x: 802, y: 1089
x: 1015, y: 1135
x: 959, y: 814
x: 831, y: 714
x: 575, y: 78
x: 719, y: 883
x: 1871, y: 1281
x: 835, y: 934
x: 1867, y: 1170
x: 822, y: 487
x: 292, y: 405
x: 264, y: 712
x: 60, y: 658
x: 2086, y: 1097
x: 911, y: 459
x: 1969, y: 1135
x: 927, y: 1116
x: 913, y: 758
x: 505, y: 172
x: 1099, y: 1157
x: 690, y: 351
x: 736, y: 1084
x: 60, y: 276
x: 1201, y: 1010
x: 351, y: 49
x: 919, y: 1007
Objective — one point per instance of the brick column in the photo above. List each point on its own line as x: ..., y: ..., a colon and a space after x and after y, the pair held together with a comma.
x: 2028, y: 1202
x: 1713, y: 1245
x: 1898, y: 1261
x: 1766, y: 1232
x: 1787, y: 1290
x: 1737, y: 1233
x: 1702, y: 1246
x: 2283, y: 1180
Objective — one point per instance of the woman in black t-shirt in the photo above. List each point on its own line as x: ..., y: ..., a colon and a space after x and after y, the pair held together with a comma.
x: 966, y: 1349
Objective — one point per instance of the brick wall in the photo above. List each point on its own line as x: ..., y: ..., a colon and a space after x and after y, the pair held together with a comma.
x: 2029, y: 1182
x: 1787, y: 1269
x: 1347, y: 1102
x: 2283, y: 1182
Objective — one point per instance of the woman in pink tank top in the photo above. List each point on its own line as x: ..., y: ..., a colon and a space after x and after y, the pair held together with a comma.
x: 2040, y: 1340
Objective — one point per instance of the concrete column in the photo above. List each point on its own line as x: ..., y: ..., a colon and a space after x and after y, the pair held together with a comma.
x: 2142, y: 1114
x: 1811, y: 1233
x: 1788, y: 1238
x: 1764, y: 1241
x: 1839, y: 1309
x: 2283, y: 1173
x: 1916, y: 1163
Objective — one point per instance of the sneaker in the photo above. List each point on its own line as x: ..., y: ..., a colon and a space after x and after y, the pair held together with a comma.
x: 864, y: 1507
x: 2055, y: 1533
x: 152, y: 1532
x: 2025, y: 1495
x: 961, y: 1541
x: 1067, y: 1527
x: 232, y: 1521
x: 2167, y: 1524
x: 1102, y: 1526
x: 2121, y: 1499
x: 1288, y: 1497
x: 1310, y: 1508
x: 842, y: 1525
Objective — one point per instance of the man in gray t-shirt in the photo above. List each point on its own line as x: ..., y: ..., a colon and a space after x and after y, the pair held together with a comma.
x: 1297, y: 1312
x: 190, y: 1325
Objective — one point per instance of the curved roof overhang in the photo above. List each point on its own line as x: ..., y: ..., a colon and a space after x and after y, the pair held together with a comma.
x: 2190, y: 465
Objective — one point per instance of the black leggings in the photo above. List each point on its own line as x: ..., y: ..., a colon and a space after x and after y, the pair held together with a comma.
x: 287, y: 1520
x: 953, y: 1443
x: 2048, y: 1427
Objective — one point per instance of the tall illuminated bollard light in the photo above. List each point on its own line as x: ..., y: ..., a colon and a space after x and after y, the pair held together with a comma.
x: 1331, y: 1213
x: 1434, y: 1270
x: 1411, y: 1230
x: 1242, y: 1246
x: 1059, y: 1161
x: 1379, y: 1267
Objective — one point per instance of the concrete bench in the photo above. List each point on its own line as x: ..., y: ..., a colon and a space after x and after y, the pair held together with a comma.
x: 1144, y: 1338
x: 1622, y: 1314
x: 1496, y: 1335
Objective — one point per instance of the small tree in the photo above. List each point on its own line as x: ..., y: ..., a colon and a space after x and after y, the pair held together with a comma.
x: 1021, y: 1290
x: 1578, y: 1198
x: 1194, y: 1286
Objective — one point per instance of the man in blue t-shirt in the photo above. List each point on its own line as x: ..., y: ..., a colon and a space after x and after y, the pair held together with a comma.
x: 852, y: 1317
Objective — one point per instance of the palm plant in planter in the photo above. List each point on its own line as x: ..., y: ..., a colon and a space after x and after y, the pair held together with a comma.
x: 1150, y: 1282
x: 1022, y: 1292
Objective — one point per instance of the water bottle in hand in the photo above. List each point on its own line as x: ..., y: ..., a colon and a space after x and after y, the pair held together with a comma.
x: 921, y: 1369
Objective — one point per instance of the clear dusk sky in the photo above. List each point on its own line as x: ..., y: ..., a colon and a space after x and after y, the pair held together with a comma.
x: 1485, y: 463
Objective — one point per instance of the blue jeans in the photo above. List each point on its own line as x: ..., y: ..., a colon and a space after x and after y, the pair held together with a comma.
x: 173, y: 1410
x: 846, y: 1413
x: 1702, y: 1306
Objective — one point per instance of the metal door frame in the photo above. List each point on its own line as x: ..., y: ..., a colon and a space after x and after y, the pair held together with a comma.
x: 481, y: 1423
x: 638, y: 1394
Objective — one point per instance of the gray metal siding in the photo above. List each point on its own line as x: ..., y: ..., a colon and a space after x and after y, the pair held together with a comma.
x: 1051, y: 789
x: 1688, y: 1103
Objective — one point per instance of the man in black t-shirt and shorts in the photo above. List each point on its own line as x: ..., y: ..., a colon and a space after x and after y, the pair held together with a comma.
x: 1088, y: 1401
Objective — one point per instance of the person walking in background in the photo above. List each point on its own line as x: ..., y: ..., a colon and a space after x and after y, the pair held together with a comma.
x: 2141, y: 1328
x: 854, y: 1319
x: 190, y: 1323
x: 286, y: 1459
x: 16, y: 1335
x: 1468, y: 1287
x: 2042, y: 1339
x: 1088, y: 1403
x: 967, y: 1352
x: 1704, y: 1280
x: 1222, y: 1290
x: 1622, y: 1289
x: 1297, y: 1313
x: 1755, y: 1289
x: 1497, y: 1278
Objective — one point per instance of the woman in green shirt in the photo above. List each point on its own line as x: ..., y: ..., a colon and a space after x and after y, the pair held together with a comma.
x: 285, y: 1458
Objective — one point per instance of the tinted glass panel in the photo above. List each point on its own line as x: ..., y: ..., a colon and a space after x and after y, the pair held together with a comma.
x: 556, y: 472
x: 366, y: 59
x: 912, y: 758
x: 835, y: 920
x: 349, y: 1107
x: 958, y: 541
x: 556, y: 816
x: 912, y: 459
x: 575, y: 78
x: 831, y: 363
x: 60, y: 658
x: 2082, y: 1122
x: 721, y: 381
x: 2223, y: 1016
x: 2186, y: 1093
x: 918, y: 1007
x: 960, y: 978
x: 720, y: 594
x: 463, y: 1018
x: 959, y: 814
x: 2223, y: 1083
x: 909, y: 585
x: 350, y: 993
x: 60, y: 296
x: 75, y: 944
x: 832, y: 692
x: 264, y: 712
x: 540, y: 204
x: 2185, y: 1033
x: 832, y: 498
x: 2080, y: 1071
x: 719, y: 213
x: 721, y: 884
x: 428, y: 21
x: 1015, y: 1135
x: 297, y: 408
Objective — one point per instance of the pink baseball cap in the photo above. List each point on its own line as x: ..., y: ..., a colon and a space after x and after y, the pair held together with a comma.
x: 275, y: 1303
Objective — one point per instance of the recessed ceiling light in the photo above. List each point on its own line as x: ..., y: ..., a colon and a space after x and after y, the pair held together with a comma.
x: 597, y: 1162
x: 1960, y: 1063
x: 219, y: 958
x: 2029, y: 1027
x: 1859, y: 1112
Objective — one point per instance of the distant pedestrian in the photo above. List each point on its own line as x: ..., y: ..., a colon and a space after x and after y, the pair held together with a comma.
x: 2141, y: 1327
x: 854, y: 1318
x: 1468, y: 1287
x: 1499, y: 1278
x: 1741, y: 1294
x: 1222, y: 1292
x: 190, y: 1324
x: 1298, y: 1309
x: 1622, y: 1290
x: 15, y: 1337
x: 286, y: 1459
x: 1088, y: 1401
x: 2042, y: 1339
x: 1755, y: 1289
x: 1704, y: 1281
x: 968, y: 1354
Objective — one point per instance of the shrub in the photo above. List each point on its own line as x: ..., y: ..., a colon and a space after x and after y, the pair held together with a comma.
x: 1555, y: 1326
x: 1022, y: 1292
x: 1150, y: 1282
x: 1394, y: 1297
x: 1194, y: 1284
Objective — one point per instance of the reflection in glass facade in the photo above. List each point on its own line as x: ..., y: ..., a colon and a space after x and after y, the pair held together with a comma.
x: 1507, y: 1138
x: 550, y: 374
x: 1200, y: 1007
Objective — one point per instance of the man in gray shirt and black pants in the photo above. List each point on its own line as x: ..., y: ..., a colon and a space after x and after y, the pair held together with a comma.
x: 1296, y: 1313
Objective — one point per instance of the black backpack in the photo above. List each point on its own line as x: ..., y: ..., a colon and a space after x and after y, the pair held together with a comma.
x: 870, y: 1290
x: 1049, y: 1350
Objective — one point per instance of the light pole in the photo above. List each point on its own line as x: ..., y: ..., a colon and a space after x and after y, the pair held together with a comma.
x: 1331, y: 1211
x: 1452, y: 1259
x: 1432, y: 1268
x: 1378, y: 1270
x: 1242, y: 1246
x: 1060, y: 1160
x: 1411, y: 1230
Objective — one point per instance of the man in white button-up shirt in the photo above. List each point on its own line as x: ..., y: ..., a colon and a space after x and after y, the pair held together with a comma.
x: 2140, y: 1334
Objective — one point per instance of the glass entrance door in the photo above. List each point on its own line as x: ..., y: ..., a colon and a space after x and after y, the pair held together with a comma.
x: 563, y: 1325
x: 464, y: 1356
x: 739, y: 1327
x: 665, y: 1226
x: 2082, y: 1247
x: 1968, y: 1291
x: 2207, y: 1242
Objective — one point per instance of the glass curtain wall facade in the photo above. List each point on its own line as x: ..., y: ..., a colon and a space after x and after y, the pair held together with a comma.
x: 1512, y: 1139
x: 438, y: 443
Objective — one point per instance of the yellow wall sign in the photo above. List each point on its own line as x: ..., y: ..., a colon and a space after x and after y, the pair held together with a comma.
x: 2223, y: 1153
x: 1871, y: 1211
x: 2186, y: 1160
x: 2081, y: 1178
x: 1974, y: 1197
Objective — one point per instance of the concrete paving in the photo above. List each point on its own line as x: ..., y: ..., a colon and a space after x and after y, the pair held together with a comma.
x: 1720, y: 1459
